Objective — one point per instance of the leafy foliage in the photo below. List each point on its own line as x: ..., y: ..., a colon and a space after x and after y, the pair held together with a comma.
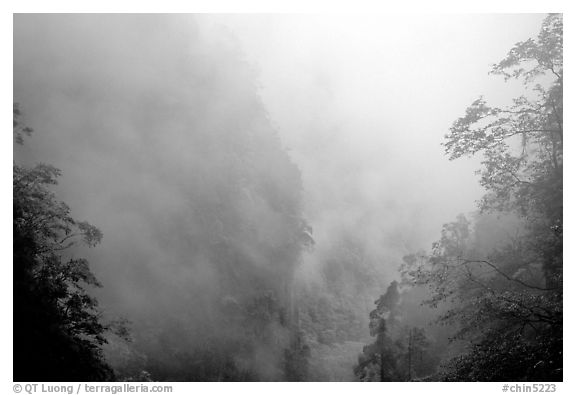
x: 502, y: 355
x: 505, y: 297
x: 522, y: 144
x: 378, y: 359
x: 58, y: 331
x: 400, y: 352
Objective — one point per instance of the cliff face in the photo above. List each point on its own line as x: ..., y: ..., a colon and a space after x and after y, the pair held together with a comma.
x: 163, y: 140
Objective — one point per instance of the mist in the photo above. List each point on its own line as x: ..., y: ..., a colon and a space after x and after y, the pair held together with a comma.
x: 247, y: 171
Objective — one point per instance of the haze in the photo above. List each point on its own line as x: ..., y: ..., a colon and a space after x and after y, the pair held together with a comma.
x: 142, y: 113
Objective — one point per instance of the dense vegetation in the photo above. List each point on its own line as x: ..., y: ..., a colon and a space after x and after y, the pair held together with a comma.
x: 497, y: 280
x: 203, y: 217
x: 207, y: 239
x: 58, y: 331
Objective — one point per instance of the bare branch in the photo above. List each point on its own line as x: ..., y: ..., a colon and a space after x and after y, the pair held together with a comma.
x: 507, y: 277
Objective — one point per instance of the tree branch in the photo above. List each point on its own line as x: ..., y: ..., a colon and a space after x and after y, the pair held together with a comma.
x: 507, y: 277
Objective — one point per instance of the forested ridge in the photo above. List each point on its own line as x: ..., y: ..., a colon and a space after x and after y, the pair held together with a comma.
x: 200, y: 261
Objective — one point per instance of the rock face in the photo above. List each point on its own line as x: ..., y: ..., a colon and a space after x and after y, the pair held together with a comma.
x: 170, y: 150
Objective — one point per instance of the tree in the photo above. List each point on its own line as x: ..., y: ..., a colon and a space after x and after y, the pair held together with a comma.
x: 378, y: 361
x: 58, y: 329
x: 508, y: 299
x: 523, y: 143
x: 498, y: 302
x: 417, y: 357
x: 401, y: 352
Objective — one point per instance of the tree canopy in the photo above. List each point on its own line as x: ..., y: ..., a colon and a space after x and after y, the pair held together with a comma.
x: 506, y: 295
x: 58, y: 330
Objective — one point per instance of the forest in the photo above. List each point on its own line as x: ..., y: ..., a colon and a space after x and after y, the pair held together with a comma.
x: 178, y: 217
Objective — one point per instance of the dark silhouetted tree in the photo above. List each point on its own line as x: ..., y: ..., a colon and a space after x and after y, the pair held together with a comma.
x: 508, y: 299
x: 58, y: 330
x: 378, y: 361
